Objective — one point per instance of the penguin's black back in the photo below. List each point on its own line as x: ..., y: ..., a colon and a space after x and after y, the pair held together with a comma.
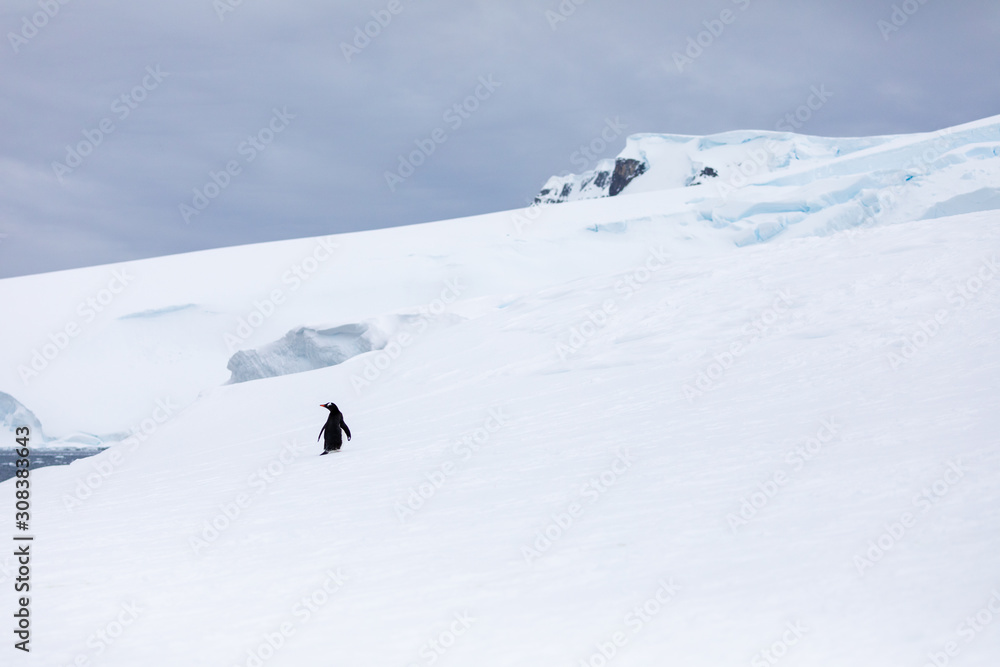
x: 332, y: 438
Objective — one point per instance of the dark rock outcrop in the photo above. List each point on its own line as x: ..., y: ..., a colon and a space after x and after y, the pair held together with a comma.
x: 608, y: 180
x: 707, y: 172
x: 626, y: 170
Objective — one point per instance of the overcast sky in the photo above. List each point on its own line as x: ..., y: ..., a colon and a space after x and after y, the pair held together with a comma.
x: 114, y: 113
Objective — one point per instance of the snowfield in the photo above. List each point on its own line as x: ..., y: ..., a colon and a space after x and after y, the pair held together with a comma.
x: 751, y: 421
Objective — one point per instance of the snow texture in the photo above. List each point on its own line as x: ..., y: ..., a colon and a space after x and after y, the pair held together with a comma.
x: 746, y: 419
x: 306, y: 349
x: 13, y: 415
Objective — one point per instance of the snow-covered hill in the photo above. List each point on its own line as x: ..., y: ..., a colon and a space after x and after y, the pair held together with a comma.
x: 731, y: 160
x: 746, y: 421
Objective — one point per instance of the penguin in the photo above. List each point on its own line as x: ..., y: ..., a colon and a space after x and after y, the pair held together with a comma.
x: 332, y: 427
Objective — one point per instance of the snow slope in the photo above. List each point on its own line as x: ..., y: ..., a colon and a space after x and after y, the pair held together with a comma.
x: 684, y: 425
x: 732, y: 160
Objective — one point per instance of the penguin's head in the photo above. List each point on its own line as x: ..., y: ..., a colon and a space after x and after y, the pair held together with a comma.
x: 329, y: 406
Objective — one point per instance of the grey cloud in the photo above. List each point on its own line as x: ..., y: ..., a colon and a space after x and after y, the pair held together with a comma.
x: 325, y: 172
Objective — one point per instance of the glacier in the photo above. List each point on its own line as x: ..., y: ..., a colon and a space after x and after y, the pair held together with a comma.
x: 713, y: 419
x: 304, y: 349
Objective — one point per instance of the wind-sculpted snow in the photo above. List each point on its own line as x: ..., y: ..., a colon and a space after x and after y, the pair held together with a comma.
x: 306, y: 349
x: 663, y: 161
x: 165, y: 336
x: 763, y: 184
x: 589, y: 185
x: 13, y: 414
x: 158, y: 312
x: 985, y: 199
x: 758, y: 405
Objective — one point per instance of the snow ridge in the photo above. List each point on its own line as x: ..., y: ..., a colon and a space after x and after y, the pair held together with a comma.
x: 14, y: 414
x: 588, y: 403
x: 306, y: 349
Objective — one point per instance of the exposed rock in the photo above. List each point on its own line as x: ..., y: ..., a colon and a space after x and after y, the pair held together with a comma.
x: 707, y: 172
x: 626, y: 170
x: 607, y: 180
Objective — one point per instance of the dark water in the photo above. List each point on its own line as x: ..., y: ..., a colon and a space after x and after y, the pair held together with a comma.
x: 43, y: 457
